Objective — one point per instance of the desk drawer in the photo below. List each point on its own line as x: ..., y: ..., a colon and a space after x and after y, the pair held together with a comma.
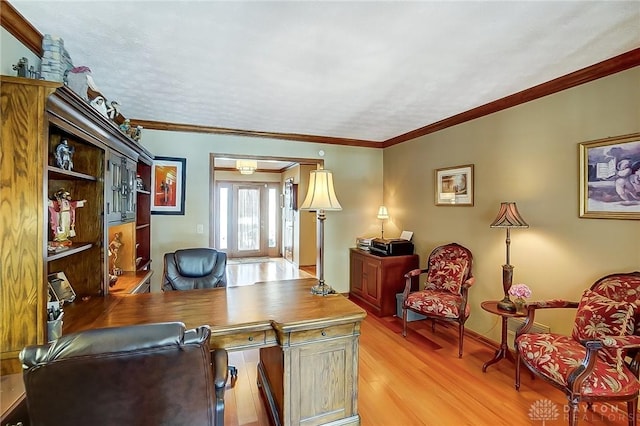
x: 319, y: 334
x: 244, y: 340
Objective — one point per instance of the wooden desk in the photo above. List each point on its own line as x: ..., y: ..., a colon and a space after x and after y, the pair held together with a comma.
x: 308, y: 370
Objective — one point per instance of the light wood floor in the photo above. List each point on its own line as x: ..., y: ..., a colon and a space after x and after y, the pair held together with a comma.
x: 418, y: 380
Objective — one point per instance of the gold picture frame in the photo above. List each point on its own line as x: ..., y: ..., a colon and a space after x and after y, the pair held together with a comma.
x: 454, y: 186
x: 610, y: 178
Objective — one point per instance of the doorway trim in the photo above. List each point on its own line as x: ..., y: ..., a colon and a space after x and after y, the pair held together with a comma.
x: 213, y: 200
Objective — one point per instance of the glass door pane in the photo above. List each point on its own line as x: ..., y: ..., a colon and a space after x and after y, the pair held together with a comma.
x: 248, y: 215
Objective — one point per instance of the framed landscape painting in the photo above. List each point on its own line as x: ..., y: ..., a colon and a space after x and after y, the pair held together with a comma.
x: 610, y: 178
x: 454, y: 186
x: 168, y: 177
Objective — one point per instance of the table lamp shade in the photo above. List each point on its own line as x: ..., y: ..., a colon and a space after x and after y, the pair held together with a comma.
x: 321, y: 195
x: 383, y: 213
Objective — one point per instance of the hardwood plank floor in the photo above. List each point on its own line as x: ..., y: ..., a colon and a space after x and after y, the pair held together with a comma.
x: 420, y: 380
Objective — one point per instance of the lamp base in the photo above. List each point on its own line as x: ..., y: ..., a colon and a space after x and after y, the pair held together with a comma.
x: 322, y: 289
x: 507, y: 305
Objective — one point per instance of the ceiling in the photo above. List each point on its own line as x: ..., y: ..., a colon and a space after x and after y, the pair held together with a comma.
x: 367, y: 71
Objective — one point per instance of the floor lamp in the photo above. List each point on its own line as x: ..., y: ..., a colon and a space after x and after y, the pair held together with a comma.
x: 321, y: 197
x: 508, y: 217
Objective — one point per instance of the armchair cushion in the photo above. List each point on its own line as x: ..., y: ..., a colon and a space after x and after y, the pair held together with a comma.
x: 556, y: 356
x: 598, y: 316
x: 437, y: 303
x: 448, y: 268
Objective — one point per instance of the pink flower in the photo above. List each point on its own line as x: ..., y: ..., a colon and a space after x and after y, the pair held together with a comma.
x: 520, y: 290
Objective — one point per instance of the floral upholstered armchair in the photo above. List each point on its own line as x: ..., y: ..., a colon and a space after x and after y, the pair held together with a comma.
x: 600, y: 360
x: 445, y: 292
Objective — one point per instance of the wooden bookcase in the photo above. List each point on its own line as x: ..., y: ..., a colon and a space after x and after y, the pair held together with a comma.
x: 36, y: 116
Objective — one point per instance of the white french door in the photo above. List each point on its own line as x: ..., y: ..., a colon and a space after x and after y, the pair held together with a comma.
x: 247, y: 218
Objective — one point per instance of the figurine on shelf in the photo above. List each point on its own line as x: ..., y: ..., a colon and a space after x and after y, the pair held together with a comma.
x: 136, y: 133
x: 113, y: 110
x: 78, y: 81
x: 125, y: 127
x: 64, y: 155
x: 21, y: 67
x: 114, y: 248
x: 63, y: 217
x: 100, y: 105
x: 139, y: 183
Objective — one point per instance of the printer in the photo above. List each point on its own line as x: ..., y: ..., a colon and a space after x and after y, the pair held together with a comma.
x: 391, y: 247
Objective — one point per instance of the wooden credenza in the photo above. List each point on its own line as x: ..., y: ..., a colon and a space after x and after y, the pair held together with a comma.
x: 375, y: 280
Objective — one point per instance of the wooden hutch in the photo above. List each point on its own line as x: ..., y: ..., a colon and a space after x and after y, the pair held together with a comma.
x: 36, y: 116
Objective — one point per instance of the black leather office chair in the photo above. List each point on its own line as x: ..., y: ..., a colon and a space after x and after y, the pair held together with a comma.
x: 193, y: 268
x: 155, y: 374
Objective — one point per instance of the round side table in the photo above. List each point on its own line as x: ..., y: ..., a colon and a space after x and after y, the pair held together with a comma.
x: 491, y: 306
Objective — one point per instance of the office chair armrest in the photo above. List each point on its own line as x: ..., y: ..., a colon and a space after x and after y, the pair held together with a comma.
x: 220, y: 361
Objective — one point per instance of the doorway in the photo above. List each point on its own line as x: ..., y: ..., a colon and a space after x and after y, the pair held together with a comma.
x: 240, y: 227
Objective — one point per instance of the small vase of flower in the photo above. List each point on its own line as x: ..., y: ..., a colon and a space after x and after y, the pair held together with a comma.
x: 521, y: 292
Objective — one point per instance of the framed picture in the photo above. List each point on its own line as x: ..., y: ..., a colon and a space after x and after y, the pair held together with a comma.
x: 454, y: 186
x: 610, y: 178
x: 168, y: 178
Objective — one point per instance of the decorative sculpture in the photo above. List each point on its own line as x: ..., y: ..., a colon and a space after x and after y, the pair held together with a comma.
x: 21, y: 67
x: 125, y: 127
x: 64, y: 155
x: 114, y: 248
x: 63, y: 217
x: 113, y: 110
x: 100, y: 105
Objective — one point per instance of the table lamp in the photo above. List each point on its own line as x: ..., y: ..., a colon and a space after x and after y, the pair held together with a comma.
x: 383, y: 214
x: 508, y: 217
x: 321, y: 197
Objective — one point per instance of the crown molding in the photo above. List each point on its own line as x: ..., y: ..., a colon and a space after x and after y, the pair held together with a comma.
x: 20, y: 28
x: 605, y: 68
x: 178, y: 127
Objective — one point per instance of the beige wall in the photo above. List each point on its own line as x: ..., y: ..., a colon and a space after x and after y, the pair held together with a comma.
x: 357, y: 179
x: 527, y: 154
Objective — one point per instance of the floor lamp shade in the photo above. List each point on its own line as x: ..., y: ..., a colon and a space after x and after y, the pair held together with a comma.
x: 508, y: 217
x: 321, y: 197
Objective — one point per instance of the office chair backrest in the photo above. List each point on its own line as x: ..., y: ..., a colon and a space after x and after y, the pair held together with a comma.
x: 155, y: 374
x: 195, y: 268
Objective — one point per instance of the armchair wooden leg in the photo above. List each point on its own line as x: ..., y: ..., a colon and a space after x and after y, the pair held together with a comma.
x: 573, y: 411
x: 404, y: 322
x: 460, y: 339
x: 632, y: 412
x: 517, y: 384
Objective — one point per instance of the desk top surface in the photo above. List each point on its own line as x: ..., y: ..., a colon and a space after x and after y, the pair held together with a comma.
x: 286, y: 305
